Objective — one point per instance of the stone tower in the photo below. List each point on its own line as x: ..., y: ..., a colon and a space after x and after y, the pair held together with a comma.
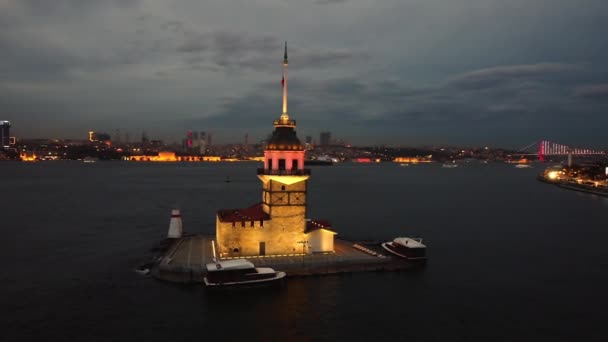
x: 277, y: 225
x: 284, y: 179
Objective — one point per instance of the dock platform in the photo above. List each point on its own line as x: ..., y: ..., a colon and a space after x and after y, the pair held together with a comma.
x: 184, y: 260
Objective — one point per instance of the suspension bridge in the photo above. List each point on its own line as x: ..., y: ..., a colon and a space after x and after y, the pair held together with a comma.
x: 544, y: 148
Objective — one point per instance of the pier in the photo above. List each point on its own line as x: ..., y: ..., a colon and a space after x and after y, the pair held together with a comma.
x: 184, y: 260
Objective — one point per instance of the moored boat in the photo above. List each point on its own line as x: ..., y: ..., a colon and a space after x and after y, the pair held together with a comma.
x: 407, y: 248
x: 239, y: 273
x: 90, y: 160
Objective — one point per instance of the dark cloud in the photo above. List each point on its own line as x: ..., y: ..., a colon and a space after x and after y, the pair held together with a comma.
x: 230, y: 49
x: 361, y: 69
x: 328, y: 57
x: 329, y: 2
x: 525, y: 97
x: 592, y: 91
x: 61, y: 6
x: 502, y: 74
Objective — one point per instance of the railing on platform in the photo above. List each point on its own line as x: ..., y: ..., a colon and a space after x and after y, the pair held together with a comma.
x: 293, y: 172
x: 288, y: 123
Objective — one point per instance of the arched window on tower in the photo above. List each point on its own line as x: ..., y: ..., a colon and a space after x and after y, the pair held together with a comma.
x: 281, y: 164
x: 294, y: 164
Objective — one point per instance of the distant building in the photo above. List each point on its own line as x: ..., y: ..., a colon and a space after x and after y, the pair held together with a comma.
x: 99, y: 137
x: 202, y: 142
x: 195, y: 142
x: 5, y: 134
x: 309, y: 139
x: 325, y: 138
x: 164, y: 156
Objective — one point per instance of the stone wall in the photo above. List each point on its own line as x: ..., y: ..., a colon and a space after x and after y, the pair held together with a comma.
x: 280, y: 234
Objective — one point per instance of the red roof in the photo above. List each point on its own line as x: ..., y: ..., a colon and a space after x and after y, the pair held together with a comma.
x: 312, y: 225
x: 253, y: 213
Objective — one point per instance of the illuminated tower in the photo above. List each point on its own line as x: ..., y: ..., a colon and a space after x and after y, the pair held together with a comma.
x: 284, y: 179
x: 278, y: 224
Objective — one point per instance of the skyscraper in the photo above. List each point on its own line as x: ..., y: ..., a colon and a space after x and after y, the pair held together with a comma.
x: 325, y: 138
x: 5, y: 134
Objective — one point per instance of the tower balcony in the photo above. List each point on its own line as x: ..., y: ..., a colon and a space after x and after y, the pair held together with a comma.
x: 293, y: 172
x: 284, y: 123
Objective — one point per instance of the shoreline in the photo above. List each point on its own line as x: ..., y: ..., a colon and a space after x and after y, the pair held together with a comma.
x: 575, y: 186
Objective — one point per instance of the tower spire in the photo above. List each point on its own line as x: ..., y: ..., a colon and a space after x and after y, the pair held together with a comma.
x: 284, y: 116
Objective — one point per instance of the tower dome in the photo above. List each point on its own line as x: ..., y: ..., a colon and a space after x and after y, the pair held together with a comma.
x: 284, y: 139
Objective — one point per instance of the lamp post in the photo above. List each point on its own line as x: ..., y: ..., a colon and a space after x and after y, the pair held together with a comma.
x: 303, y: 242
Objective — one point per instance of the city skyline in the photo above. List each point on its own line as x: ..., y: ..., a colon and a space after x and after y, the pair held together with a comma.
x: 408, y: 73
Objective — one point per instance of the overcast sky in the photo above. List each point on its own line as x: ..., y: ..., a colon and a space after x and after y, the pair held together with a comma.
x: 408, y: 72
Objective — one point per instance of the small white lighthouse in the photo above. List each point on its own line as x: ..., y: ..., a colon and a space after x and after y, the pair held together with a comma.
x: 176, y: 229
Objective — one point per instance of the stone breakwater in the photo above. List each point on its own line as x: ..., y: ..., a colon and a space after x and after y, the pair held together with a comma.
x: 184, y: 260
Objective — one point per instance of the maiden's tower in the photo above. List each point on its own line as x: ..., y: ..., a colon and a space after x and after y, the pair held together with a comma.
x: 277, y: 225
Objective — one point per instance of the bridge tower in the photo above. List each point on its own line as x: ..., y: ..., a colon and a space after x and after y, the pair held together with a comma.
x: 541, y: 150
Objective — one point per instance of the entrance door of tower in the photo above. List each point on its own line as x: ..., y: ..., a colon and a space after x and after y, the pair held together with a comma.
x: 263, y: 248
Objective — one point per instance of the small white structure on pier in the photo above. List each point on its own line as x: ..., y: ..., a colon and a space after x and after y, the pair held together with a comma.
x: 320, y: 235
x: 176, y: 229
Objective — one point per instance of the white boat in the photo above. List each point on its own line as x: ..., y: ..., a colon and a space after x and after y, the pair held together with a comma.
x: 144, y: 269
x: 450, y: 165
x: 407, y: 248
x: 239, y: 273
x: 523, y: 166
x: 90, y: 160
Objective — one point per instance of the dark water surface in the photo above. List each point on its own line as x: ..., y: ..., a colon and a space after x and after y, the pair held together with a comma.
x: 510, y: 258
